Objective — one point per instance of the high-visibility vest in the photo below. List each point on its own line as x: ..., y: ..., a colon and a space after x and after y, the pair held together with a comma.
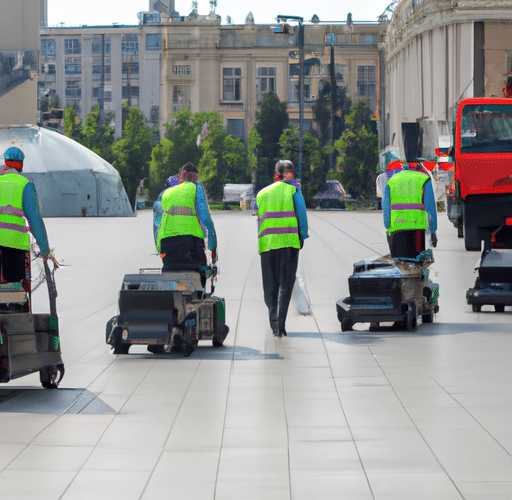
x: 179, y: 215
x: 406, y: 200
x: 14, y: 230
x: 277, y: 222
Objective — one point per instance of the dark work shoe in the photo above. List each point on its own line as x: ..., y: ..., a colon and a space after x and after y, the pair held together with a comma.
x: 275, y: 331
x: 282, y: 332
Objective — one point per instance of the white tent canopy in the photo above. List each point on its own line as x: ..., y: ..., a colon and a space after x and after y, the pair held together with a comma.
x: 70, y: 179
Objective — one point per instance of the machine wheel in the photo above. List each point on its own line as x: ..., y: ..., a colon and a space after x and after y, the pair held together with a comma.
x: 346, y: 325
x: 499, y: 308
x: 427, y: 318
x: 121, y: 348
x: 50, y: 376
x: 218, y: 338
x: 476, y: 308
x: 156, y: 349
x: 410, y: 319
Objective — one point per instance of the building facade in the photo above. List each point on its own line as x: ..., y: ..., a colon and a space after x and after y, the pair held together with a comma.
x: 169, y: 62
x: 436, y: 53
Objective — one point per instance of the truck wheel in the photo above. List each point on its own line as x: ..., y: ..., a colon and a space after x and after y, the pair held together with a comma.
x: 476, y: 308
x: 499, y: 308
x: 460, y: 229
x: 471, y: 233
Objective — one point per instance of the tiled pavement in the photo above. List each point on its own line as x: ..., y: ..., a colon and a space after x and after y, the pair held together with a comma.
x: 318, y: 415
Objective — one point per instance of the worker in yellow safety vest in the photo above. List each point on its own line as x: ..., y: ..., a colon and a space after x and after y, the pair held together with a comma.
x: 19, y: 215
x: 182, y: 223
x: 409, y: 211
x: 282, y: 229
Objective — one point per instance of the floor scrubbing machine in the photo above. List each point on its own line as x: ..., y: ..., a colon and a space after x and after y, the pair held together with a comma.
x: 167, y: 311
x: 493, y: 285
x: 29, y: 343
x: 390, y: 290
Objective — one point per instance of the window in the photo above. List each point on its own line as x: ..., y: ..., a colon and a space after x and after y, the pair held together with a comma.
x: 73, y: 69
x: 366, y: 80
x: 73, y: 89
x: 266, y: 82
x: 72, y: 46
x: 232, y: 82
x: 131, y: 91
x: 181, y: 69
x: 179, y: 94
x: 153, y: 41
x: 48, y: 47
x: 130, y: 43
x: 236, y: 128
x: 98, y: 42
x: 130, y: 68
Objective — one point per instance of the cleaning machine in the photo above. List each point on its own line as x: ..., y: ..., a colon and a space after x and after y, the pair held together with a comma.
x: 390, y: 290
x: 167, y: 311
x: 29, y: 343
x: 493, y: 285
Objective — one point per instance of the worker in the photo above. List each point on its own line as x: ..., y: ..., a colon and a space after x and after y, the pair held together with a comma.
x: 183, y: 223
x: 282, y: 229
x: 18, y: 205
x: 409, y: 210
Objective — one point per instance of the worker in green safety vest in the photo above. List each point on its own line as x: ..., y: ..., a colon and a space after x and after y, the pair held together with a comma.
x: 282, y: 229
x: 19, y: 215
x: 409, y: 210
x: 182, y: 223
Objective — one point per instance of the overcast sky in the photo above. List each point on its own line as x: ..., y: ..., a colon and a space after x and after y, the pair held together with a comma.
x: 105, y: 12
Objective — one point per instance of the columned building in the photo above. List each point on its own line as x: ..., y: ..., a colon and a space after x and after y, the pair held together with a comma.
x: 436, y: 53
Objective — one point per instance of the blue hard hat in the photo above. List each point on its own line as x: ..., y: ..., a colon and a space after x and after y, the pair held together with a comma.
x: 14, y: 154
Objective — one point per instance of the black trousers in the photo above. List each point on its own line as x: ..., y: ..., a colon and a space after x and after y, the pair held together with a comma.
x: 12, y: 262
x: 407, y: 244
x: 278, y: 268
x: 184, y: 252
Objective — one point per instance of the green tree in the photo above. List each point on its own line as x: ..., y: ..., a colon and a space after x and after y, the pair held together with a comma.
x: 312, y: 158
x: 133, y: 152
x: 159, y: 169
x: 224, y: 157
x: 72, y: 124
x: 98, y: 135
x: 359, y: 154
x: 271, y: 120
x: 323, y: 117
x: 252, y: 148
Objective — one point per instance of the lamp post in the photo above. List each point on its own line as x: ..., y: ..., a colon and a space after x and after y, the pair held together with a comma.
x: 300, y: 44
x: 331, y: 39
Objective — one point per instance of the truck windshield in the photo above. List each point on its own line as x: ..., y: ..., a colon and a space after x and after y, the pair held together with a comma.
x: 486, y: 128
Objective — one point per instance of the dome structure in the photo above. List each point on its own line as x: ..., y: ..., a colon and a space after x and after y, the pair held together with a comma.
x: 70, y: 179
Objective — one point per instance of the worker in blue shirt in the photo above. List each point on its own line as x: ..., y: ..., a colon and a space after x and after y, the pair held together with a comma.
x: 183, y: 223
x: 409, y: 211
x: 19, y: 215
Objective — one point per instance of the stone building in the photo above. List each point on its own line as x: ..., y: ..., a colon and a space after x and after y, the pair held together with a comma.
x: 436, y: 53
x: 167, y: 62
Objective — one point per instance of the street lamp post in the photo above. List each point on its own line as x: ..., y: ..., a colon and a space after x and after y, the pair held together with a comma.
x: 300, y: 44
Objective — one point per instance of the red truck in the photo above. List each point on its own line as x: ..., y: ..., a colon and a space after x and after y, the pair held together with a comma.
x: 480, y: 196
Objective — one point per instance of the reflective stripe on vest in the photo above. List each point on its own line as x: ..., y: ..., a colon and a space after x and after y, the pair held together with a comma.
x: 179, y: 215
x: 13, y: 226
x: 406, y: 196
x: 277, y: 222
